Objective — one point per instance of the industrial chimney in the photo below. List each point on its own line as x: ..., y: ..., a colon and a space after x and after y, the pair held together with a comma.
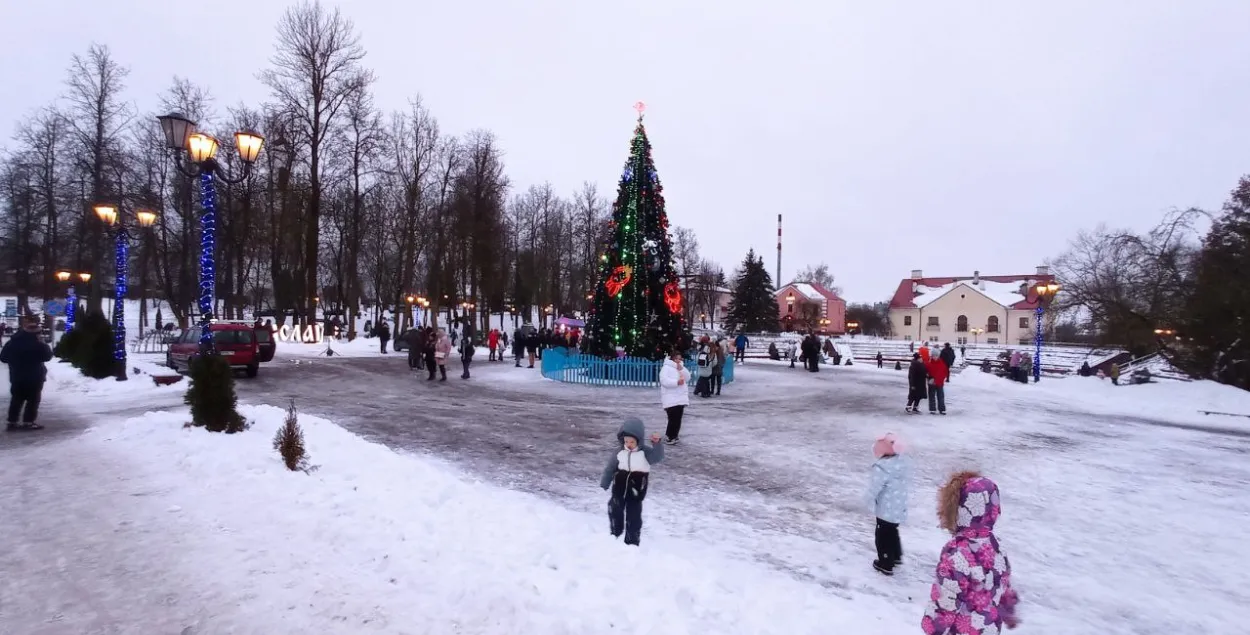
x: 777, y: 282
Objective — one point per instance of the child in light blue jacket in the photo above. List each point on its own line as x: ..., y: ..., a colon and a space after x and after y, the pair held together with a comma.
x: 891, y: 481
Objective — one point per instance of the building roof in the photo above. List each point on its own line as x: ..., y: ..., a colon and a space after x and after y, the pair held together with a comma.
x: 810, y: 290
x: 1005, y: 290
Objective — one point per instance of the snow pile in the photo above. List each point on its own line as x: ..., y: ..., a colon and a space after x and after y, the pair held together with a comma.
x: 64, y: 380
x: 1170, y: 401
x: 373, y: 541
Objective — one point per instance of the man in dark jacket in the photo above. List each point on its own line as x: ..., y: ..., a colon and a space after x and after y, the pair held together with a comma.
x: 948, y: 357
x: 917, y: 384
x: 26, y: 354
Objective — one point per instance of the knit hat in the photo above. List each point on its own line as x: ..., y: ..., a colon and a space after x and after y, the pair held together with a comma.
x: 887, y: 444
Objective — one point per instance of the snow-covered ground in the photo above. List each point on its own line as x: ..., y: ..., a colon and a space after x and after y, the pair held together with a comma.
x: 1121, y: 507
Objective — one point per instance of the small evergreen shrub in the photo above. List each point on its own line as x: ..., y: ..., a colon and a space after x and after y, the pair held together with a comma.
x: 67, y: 345
x: 92, y: 353
x: 289, y: 442
x: 211, y: 395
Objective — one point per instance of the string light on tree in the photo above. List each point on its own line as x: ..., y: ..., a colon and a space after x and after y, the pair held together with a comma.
x: 637, y: 302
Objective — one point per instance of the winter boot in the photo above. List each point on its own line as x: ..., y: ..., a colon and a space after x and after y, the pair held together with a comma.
x: 876, y: 564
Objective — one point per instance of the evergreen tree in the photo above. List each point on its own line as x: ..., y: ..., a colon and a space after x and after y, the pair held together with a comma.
x: 1219, y: 306
x: 638, y: 301
x: 211, y: 395
x: 753, y: 307
x: 91, y: 349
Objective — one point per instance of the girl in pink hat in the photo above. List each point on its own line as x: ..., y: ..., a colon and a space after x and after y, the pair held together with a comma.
x: 888, y: 489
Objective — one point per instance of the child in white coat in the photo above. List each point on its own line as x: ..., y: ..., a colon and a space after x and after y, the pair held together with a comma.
x: 888, y: 489
x: 674, y: 393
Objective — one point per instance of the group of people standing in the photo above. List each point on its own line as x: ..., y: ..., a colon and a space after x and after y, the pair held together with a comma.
x: 927, y: 377
x: 429, y: 348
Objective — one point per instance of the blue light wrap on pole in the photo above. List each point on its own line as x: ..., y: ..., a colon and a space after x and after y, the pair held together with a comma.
x: 208, y: 243
x: 1037, y: 340
x: 119, y: 296
x: 71, y: 308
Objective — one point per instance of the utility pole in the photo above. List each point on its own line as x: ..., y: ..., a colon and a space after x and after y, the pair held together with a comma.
x: 778, y: 282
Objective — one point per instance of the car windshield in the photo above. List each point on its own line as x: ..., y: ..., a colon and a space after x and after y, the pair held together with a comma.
x: 233, y: 336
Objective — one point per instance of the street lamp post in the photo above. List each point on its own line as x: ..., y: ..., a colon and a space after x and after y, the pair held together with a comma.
x: 1045, y: 295
x: 181, y: 135
x: 976, y: 335
x: 71, y: 298
x: 851, y: 327
x: 115, y: 224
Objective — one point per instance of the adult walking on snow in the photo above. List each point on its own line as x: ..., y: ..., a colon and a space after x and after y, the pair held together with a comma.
x: 492, y: 341
x: 674, y: 394
x: 740, y: 346
x: 948, y: 357
x: 518, y: 346
x: 916, y: 388
x: 938, y: 373
x: 384, y: 334
x: 718, y: 365
x: 26, y: 354
x: 466, y: 354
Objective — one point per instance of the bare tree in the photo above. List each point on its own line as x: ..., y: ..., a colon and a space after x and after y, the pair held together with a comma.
x: 818, y: 274
x: 686, y: 255
x: 97, y: 117
x: 316, y: 71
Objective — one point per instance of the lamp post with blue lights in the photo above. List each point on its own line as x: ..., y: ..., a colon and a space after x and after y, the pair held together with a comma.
x: 1045, y: 295
x: 201, y: 149
x: 116, y: 224
x: 71, y: 297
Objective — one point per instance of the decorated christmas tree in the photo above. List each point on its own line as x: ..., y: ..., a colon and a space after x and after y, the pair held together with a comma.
x: 638, y: 302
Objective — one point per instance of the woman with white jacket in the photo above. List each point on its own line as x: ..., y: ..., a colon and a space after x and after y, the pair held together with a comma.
x: 674, y: 393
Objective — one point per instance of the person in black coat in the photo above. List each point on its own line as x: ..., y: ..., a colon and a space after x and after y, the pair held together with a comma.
x: 384, y: 334
x: 948, y: 357
x: 26, y: 355
x: 518, y: 346
x: 917, y: 384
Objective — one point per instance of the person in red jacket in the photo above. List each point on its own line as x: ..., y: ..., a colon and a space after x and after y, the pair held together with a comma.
x: 938, y: 373
x: 492, y: 341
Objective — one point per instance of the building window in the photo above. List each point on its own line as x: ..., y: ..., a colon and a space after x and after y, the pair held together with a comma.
x: 906, y: 338
x: 961, y: 340
x: 933, y: 320
x: 790, y: 309
x: 961, y: 324
x: 1025, y: 341
x: 1024, y: 322
x: 991, y: 340
x: 991, y: 326
x: 906, y: 320
x: 933, y: 338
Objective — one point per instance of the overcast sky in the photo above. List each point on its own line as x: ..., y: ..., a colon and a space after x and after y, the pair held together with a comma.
x: 947, y: 136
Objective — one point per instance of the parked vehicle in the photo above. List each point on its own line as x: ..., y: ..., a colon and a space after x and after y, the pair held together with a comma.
x: 235, y: 341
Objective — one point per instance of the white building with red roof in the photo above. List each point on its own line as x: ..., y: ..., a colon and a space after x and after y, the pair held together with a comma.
x: 951, y: 309
x: 807, y: 306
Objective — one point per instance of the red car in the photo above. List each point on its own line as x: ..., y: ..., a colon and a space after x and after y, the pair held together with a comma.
x: 235, y: 341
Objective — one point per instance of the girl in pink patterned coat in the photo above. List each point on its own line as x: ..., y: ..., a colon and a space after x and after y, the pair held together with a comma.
x: 972, y: 594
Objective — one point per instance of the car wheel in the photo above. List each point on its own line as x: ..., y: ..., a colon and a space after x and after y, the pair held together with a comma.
x: 253, y: 369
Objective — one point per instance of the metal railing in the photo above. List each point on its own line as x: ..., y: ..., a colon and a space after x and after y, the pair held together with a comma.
x: 154, y: 341
x: 569, y: 366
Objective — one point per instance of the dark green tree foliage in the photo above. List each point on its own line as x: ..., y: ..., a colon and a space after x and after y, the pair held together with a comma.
x: 753, y: 307
x: 211, y: 395
x: 66, y: 346
x: 92, y: 352
x: 637, y: 303
x: 1219, y: 306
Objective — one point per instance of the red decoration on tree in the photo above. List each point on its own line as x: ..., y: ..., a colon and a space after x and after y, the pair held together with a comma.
x: 620, y: 277
x: 672, y: 297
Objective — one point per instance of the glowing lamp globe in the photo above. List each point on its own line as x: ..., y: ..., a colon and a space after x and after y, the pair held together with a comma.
x: 63, y: 276
x: 106, y: 213
x: 201, y: 147
x: 248, y: 144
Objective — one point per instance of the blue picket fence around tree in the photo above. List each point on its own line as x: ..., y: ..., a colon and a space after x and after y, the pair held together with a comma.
x: 569, y: 366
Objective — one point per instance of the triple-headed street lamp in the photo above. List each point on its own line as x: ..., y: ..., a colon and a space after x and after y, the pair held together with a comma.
x: 115, y: 223
x: 976, y: 335
x: 1045, y: 295
x: 852, y: 326
x: 201, y: 148
x: 71, y: 298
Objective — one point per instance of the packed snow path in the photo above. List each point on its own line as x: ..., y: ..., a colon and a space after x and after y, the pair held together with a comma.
x: 1102, y: 512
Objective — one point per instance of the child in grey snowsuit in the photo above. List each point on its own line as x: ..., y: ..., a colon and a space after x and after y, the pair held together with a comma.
x: 626, y: 475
